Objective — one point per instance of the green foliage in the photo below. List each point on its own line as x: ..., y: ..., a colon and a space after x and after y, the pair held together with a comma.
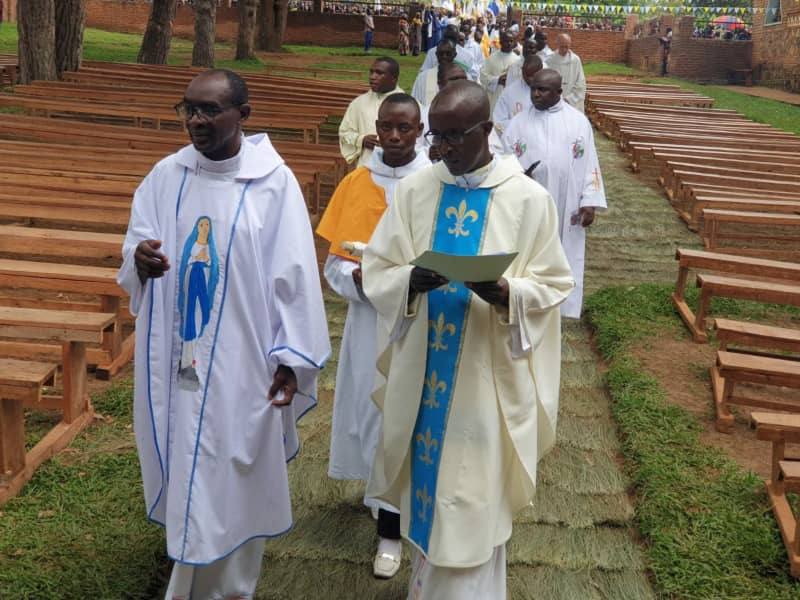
x: 708, y: 524
x: 607, y: 68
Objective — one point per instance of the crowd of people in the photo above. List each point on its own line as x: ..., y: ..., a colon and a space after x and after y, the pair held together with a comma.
x: 723, y: 32
x: 447, y: 385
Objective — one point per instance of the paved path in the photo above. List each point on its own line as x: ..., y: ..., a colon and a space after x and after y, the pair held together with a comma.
x: 577, y: 541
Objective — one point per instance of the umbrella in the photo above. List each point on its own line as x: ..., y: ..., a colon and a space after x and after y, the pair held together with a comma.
x: 728, y: 22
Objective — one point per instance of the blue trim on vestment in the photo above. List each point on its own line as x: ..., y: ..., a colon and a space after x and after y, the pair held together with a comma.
x: 460, y: 219
x: 205, y: 564
x: 150, y: 400
x: 301, y: 355
x: 171, y: 353
x: 211, y: 365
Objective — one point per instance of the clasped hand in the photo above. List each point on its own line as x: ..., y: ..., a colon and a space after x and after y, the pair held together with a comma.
x: 284, y: 379
x: 149, y: 261
x: 424, y: 280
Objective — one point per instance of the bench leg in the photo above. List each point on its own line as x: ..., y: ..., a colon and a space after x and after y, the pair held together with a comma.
x: 699, y: 327
x: 12, y: 439
x: 74, y: 380
x: 112, y: 340
x: 722, y: 390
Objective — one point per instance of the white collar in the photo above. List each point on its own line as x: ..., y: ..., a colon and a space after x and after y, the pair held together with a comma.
x: 376, y: 165
x: 558, y: 106
x: 477, y: 177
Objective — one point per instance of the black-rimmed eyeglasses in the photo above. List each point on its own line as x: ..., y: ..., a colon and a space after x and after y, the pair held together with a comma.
x: 207, y: 112
x: 453, y: 138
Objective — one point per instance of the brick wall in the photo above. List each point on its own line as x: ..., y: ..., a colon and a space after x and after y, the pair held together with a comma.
x: 689, y: 58
x: 776, y: 47
x: 592, y: 46
x: 339, y: 30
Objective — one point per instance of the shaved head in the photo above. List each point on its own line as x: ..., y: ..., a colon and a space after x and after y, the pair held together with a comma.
x: 545, y: 89
x: 549, y: 77
x: 466, y: 98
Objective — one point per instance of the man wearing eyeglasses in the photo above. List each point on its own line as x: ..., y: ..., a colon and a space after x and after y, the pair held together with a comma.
x: 351, y: 216
x: 357, y: 135
x: 220, y: 265
x: 471, y: 370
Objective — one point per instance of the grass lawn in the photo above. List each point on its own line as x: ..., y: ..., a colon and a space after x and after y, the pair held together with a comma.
x: 707, y: 522
x: 762, y: 110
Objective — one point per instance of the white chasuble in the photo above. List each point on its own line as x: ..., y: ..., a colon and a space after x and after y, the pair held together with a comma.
x: 242, y: 296
x: 471, y: 391
x: 561, y: 140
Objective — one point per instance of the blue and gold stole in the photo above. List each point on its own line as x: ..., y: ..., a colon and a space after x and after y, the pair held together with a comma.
x: 458, y: 229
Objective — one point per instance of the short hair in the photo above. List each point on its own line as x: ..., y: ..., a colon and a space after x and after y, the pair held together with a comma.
x: 394, y: 67
x: 401, y: 98
x: 237, y: 85
x: 447, y: 41
x: 451, y: 33
x: 532, y: 59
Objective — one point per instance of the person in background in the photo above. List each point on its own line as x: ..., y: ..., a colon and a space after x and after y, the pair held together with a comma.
x: 403, y: 42
x: 569, y: 66
x: 557, y: 142
x: 369, y: 28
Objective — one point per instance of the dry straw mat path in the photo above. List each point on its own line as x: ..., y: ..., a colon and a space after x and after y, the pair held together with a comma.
x: 577, y: 541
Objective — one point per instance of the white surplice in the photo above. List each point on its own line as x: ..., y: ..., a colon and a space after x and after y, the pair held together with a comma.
x: 502, y: 415
x: 562, y: 139
x: 573, y: 82
x: 243, y: 291
x: 515, y: 99
x: 426, y: 86
x: 463, y: 56
x: 356, y: 420
x: 495, y: 66
x: 358, y: 122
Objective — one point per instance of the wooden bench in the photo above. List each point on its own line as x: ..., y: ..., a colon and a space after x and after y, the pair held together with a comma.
x: 116, y: 351
x: 768, y: 235
x: 782, y: 429
x: 751, y: 342
x: 728, y: 263
x: 702, y: 201
x: 736, y: 367
x: 21, y: 383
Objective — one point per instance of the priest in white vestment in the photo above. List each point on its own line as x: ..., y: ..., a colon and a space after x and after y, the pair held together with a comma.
x: 543, y: 50
x: 357, y: 135
x: 495, y: 69
x: 463, y: 55
x: 352, y: 214
x: 569, y: 66
x: 472, y: 369
x: 219, y: 256
x: 559, y: 140
x: 516, y: 98
x: 515, y: 70
x: 426, y: 85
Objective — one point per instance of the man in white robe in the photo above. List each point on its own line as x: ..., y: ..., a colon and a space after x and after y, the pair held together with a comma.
x: 472, y: 371
x: 357, y: 135
x: 472, y: 45
x: 426, y: 84
x: 463, y: 55
x: 515, y: 70
x: 516, y: 98
x: 495, y: 69
x: 219, y: 256
x: 446, y: 74
x: 542, y: 48
x: 352, y: 214
x: 569, y: 66
x: 559, y: 140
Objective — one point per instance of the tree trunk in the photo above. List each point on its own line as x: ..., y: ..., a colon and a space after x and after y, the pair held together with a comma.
x: 272, y: 16
x: 205, y: 20
x: 70, y: 18
x: 36, y: 24
x: 158, y: 35
x: 247, y: 29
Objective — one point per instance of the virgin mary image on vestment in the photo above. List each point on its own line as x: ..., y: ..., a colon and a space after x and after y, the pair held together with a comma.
x: 198, y: 277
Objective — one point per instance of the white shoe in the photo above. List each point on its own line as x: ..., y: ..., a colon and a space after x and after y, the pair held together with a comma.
x: 388, y: 558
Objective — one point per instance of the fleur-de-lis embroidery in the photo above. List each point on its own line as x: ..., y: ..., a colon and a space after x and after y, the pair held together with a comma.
x: 427, y: 443
x: 432, y: 387
x: 439, y: 329
x: 426, y: 500
x: 461, y: 216
x: 449, y: 289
